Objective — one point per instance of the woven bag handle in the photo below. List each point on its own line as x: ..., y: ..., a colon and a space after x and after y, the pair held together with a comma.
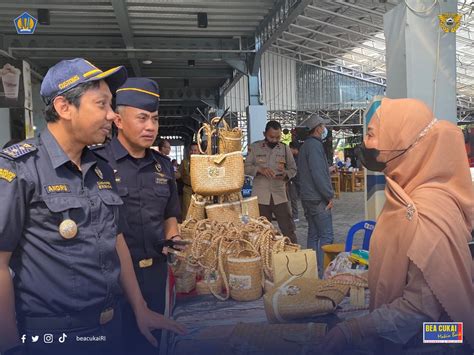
x: 208, y: 132
x: 216, y: 120
x: 252, y: 248
x: 221, y: 271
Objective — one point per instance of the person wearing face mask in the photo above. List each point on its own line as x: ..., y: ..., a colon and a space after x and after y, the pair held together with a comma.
x: 272, y: 165
x: 421, y: 269
x: 315, y: 187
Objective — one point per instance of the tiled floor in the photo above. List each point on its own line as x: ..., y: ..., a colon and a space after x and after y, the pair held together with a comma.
x: 348, y: 210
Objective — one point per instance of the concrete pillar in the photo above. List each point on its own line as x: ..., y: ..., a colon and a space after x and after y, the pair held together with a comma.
x: 256, y: 111
x: 421, y: 64
x: 421, y: 57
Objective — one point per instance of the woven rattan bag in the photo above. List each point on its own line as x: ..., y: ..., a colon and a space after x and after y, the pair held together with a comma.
x: 233, y: 209
x: 217, y: 174
x: 208, y: 132
x: 299, y: 298
x: 230, y: 140
x: 197, y: 208
x: 188, y: 228
x: 250, y: 207
x: 186, y: 282
x: 245, y: 275
x: 224, y: 212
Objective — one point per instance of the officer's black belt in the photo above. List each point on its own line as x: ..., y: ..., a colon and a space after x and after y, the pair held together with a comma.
x: 84, y: 319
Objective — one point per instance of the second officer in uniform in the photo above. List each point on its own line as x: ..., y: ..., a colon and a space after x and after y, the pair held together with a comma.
x: 145, y: 180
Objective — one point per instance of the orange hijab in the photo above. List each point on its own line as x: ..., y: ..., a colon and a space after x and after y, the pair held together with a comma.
x: 427, y: 215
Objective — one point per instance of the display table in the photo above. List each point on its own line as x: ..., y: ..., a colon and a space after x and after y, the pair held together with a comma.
x: 230, y: 327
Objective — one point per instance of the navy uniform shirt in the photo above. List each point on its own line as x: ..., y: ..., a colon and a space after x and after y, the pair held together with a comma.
x: 148, y: 189
x: 39, y: 188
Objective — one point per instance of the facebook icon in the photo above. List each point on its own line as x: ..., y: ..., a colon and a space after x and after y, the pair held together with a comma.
x: 23, y: 338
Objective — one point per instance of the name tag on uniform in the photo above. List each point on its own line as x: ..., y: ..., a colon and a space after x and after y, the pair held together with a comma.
x: 161, y: 181
x: 104, y: 185
x: 59, y: 188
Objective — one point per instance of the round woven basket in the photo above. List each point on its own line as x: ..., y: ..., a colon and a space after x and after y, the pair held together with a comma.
x: 245, y: 276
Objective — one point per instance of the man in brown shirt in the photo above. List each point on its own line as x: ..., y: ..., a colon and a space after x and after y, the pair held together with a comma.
x: 184, y: 173
x: 272, y: 165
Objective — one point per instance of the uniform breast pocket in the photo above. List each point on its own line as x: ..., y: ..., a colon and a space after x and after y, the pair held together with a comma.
x: 60, y: 208
x: 110, y: 198
x: 281, y: 161
x: 122, y: 192
x: 261, y: 160
x: 162, y: 191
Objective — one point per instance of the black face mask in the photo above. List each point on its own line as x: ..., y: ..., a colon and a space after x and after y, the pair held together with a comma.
x: 271, y: 144
x: 368, y: 158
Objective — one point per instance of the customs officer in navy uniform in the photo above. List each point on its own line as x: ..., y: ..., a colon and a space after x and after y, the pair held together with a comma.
x: 145, y: 180
x: 58, y: 227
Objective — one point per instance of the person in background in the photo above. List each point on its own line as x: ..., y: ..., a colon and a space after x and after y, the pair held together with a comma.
x: 146, y: 183
x: 184, y: 174
x: 271, y: 164
x: 164, y: 147
x: 286, y: 136
x: 421, y: 269
x: 174, y: 164
x: 315, y: 187
x: 348, y: 163
x: 293, y: 185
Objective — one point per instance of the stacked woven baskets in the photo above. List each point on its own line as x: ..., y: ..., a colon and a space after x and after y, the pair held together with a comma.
x: 231, y: 259
x: 217, y: 179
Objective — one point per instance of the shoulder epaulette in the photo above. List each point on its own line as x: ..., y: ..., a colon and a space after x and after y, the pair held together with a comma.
x: 18, y: 150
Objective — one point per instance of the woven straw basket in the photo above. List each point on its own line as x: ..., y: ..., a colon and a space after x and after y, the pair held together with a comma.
x: 187, y: 228
x: 209, y: 284
x: 232, y: 211
x: 209, y: 132
x: 299, y: 298
x: 245, y: 276
x: 224, y: 212
x: 186, y: 282
x: 217, y: 174
x: 250, y: 207
x: 230, y: 140
x: 196, y: 208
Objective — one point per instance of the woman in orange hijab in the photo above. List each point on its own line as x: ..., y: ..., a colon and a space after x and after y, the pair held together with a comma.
x: 421, y: 269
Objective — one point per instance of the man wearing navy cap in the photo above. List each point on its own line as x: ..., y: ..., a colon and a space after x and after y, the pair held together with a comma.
x: 145, y: 180
x: 58, y: 227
